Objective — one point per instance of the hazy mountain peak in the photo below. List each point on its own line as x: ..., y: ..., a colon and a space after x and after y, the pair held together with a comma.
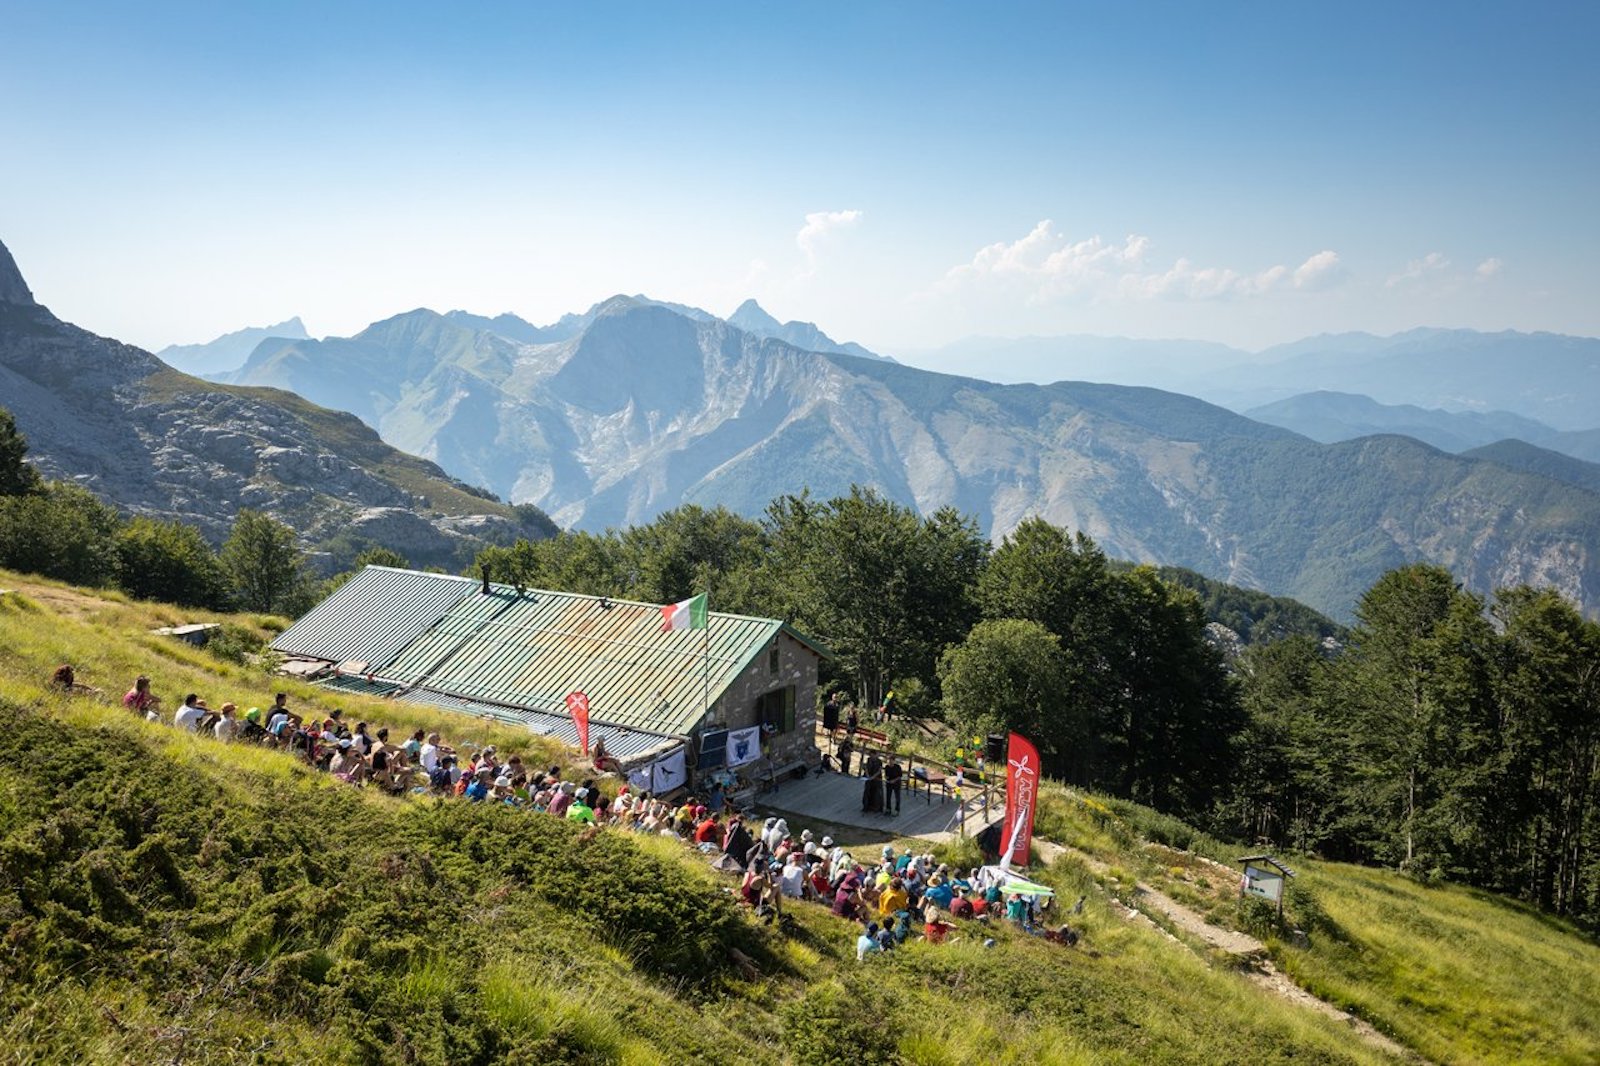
x: 227, y: 353
x: 13, y: 290
x: 753, y: 318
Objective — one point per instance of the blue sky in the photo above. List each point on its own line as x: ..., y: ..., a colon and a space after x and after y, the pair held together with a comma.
x: 904, y: 174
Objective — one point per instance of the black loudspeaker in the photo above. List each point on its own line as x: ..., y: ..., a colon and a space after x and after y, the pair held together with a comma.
x: 994, y: 748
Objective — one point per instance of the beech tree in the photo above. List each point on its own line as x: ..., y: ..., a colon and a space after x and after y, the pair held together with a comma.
x: 265, y: 566
x: 1011, y: 674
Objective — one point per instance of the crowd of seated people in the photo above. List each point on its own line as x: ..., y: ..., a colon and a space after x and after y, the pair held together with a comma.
x: 890, y: 897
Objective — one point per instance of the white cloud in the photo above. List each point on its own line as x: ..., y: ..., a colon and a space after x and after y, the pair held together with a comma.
x: 1053, y: 267
x: 1321, y: 271
x: 819, y: 224
x: 1490, y: 267
x: 1430, y: 265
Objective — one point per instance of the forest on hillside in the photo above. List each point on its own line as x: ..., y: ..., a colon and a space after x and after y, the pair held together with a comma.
x: 1446, y: 735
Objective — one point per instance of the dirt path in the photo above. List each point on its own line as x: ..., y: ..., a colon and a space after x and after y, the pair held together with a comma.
x: 1261, y: 972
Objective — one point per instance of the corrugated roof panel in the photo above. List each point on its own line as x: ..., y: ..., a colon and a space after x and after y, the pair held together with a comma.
x: 374, y: 615
x: 531, y: 650
x: 624, y: 744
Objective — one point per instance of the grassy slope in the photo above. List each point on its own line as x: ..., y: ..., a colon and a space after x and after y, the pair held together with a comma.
x: 1457, y: 974
x: 166, y: 897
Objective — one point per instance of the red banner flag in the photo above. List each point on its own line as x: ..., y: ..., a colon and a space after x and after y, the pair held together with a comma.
x: 578, y: 707
x: 1022, y: 794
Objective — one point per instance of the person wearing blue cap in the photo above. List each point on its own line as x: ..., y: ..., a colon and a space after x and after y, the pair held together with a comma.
x: 867, y: 942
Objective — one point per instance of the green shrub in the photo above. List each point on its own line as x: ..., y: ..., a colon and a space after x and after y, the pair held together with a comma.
x: 234, y: 644
x: 842, y: 1020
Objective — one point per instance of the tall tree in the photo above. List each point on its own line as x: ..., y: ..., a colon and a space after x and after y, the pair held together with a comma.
x: 1290, y: 753
x: 885, y: 588
x: 17, y: 475
x: 1538, y: 793
x: 1175, y: 709
x: 1010, y: 674
x: 265, y: 566
x: 689, y: 550
x: 169, y: 561
x: 1042, y: 573
x: 1415, y: 693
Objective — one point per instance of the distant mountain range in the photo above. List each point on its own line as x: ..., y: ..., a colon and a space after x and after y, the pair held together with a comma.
x: 1548, y: 377
x: 228, y: 352
x: 1082, y: 357
x: 154, y: 441
x: 221, y: 359
x: 642, y: 407
x: 1335, y: 416
x: 1545, y: 376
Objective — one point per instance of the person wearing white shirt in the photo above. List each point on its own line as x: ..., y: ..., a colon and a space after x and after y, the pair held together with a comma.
x: 189, y: 715
x: 431, y: 751
x: 227, y: 726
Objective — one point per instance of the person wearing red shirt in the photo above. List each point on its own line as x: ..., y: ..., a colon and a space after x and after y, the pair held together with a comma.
x: 706, y: 832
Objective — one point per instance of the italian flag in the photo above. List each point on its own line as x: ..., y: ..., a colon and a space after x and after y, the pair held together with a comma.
x: 690, y: 614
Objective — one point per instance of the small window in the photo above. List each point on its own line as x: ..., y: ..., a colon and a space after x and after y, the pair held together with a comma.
x: 772, y: 658
x: 776, y: 709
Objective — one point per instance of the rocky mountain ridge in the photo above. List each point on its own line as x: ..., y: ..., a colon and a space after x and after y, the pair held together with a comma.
x: 646, y: 409
x: 153, y: 441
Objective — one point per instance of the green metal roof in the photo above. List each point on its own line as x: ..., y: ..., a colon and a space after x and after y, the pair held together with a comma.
x: 532, y: 649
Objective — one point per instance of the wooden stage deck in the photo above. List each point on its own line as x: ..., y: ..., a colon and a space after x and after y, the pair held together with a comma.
x: 835, y: 798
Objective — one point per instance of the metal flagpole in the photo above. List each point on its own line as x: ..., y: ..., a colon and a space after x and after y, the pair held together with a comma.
x: 707, y: 697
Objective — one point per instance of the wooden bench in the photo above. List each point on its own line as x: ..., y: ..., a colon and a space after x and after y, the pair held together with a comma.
x: 865, y: 738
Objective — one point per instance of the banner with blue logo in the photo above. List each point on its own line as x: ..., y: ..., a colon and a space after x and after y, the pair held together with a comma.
x: 744, y: 746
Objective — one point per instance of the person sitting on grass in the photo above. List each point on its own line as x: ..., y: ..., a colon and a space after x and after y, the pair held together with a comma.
x: 579, y: 810
x: 227, y: 727
x: 708, y: 832
x: 939, y: 891
x: 401, y: 772
x: 893, y: 899
x: 736, y: 842
x: 251, y: 730
x: 281, y: 723
x: 141, y: 700
x: 189, y: 715
x: 847, y: 897
x: 769, y: 895
x: 66, y: 679
x: 347, y: 764
x: 935, y: 929
x: 792, y: 878
x: 478, y: 789
x: 432, y: 752
x: 963, y: 907
x: 1017, y: 911
x: 867, y: 942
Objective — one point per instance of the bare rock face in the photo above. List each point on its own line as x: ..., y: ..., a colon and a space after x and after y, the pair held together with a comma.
x: 13, y: 290
x: 405, y: 531
x: 154, y: 442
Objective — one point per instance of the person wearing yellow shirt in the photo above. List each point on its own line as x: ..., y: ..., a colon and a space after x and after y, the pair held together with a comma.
x: 894, y: 898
